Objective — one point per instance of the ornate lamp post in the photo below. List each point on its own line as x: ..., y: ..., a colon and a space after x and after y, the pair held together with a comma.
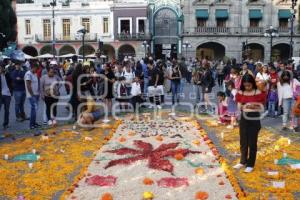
x: 271, y: 33
x: 146, y: 46
x: 292, y: 19
x: 53, y: 4
x: 82, y: 31
x: 186, y: 45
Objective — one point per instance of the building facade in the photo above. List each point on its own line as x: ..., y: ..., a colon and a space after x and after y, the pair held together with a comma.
x: 218, y: 28
x: 118, y: 27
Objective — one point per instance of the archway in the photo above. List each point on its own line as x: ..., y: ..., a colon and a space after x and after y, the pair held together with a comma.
x: 88, y: 49
x: 67, y: 49
x: 281, y: 52
x: 165, y: 33
x: 126, y: 50
x: 47, y: 49
x: 210, y: 50
x: 109, y: 51
x: 30, y: 50
x: 255, y: 51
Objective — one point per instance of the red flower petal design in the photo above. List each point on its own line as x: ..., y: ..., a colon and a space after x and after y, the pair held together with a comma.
x: 156, y: 157
x: 101, y: 180
x: 173, y: 182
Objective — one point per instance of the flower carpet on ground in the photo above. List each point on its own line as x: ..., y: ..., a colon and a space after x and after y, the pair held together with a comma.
x: 164, y: 159
x: 63, y: 156
x: 276, y: 175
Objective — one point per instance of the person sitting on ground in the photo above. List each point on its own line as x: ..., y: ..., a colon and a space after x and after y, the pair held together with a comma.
x: 90, y: 113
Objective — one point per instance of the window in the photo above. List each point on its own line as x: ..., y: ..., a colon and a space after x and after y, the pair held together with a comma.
x: 201, y: 22
x: 254, y: 23
x: 105, y: 25
x: 125, y: 26
x: 283, y: 23
x: 86, y: 24
x: 141, y: 24
x: 221, y: 22
x: 27, y: 27
x: 47, y: 29
x: 66, y: 29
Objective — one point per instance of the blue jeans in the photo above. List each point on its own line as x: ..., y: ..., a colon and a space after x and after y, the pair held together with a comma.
x: 271, y: 108
x: 175, y: 85
x: 34, y: 106
x: 181, y: 86
x: 199, y: 96
x: 146, y: 83
x: 5, y: 101
x: 287, y: 108
x: 20, y: 97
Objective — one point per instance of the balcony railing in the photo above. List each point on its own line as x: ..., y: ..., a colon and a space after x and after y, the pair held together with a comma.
x: 90, y: 37
x: 212, y: 30
x: 253, y: 31
x: 257, y: 30
x: 130, y: 37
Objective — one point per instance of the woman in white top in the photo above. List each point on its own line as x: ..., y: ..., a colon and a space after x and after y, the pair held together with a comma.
x: 262, y: 77
x: 286, y: 88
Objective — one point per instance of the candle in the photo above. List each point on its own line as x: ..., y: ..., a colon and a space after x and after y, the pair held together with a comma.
x: 33, y: 151
x: 284, y: 155
x: 289, y: 141
x: 275, y: 161
x: 222, y: 135
x: 30, y: 165
x: 6, y: 157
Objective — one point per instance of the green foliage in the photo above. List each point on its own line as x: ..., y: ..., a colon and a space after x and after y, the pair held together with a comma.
x: 8, y: 21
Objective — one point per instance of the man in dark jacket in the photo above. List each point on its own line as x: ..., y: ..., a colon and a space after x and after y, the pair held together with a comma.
x: 5, y: 94
x: 17, y: 76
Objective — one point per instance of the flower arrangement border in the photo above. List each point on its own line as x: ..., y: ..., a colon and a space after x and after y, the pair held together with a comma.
x: 83, y: 171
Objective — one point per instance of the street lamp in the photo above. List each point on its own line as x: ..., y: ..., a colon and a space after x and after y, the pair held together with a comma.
x: 82, y: 31
x: 146, y: 46
x: 53, y: 4
x: 271, y: 33
x: 292, y: 19
x: 2, y: 39
x: 186, y: 45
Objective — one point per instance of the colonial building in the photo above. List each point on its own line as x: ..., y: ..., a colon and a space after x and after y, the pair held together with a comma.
x: 119, y: 28
x: 218, y: 28
x: 131, y: 30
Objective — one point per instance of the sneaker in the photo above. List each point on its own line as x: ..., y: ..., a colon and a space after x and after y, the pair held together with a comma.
x: 238, y: 166
x: 296, y: 129
x: 50, y: 123
x: 45, y: 123
x: 5, y: 127
x: 32, y: 127
x: 248, y: 169
x: 284, y: 128
x: 159, y: 107
x: 37, y: 125
x: 54, y: 122
x: 19, y: 119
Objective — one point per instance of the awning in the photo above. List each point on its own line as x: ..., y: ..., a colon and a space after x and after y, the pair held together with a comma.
x: 222, y: 14
x: 202, y: 13
x: 284, y: 14
x: 255, y: 14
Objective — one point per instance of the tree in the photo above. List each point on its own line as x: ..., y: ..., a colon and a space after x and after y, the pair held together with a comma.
x: 8, y: 22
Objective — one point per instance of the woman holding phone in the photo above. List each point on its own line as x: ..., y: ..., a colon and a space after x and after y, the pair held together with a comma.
x: 250, y: 103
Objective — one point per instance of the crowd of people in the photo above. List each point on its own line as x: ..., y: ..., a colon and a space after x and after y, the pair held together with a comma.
x: 245, y: 91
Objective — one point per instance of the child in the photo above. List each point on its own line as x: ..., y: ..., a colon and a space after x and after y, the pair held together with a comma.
x: 222, y: 108
x: 232, y: 105
x: 122, y: 95
x: 136, y: 93
x: 272, y: 100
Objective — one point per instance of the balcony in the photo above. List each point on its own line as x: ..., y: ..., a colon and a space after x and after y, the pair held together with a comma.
x: 91, y: 37
x: 238, y: 31
x: 212, y: 30
x: 133, y: 37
